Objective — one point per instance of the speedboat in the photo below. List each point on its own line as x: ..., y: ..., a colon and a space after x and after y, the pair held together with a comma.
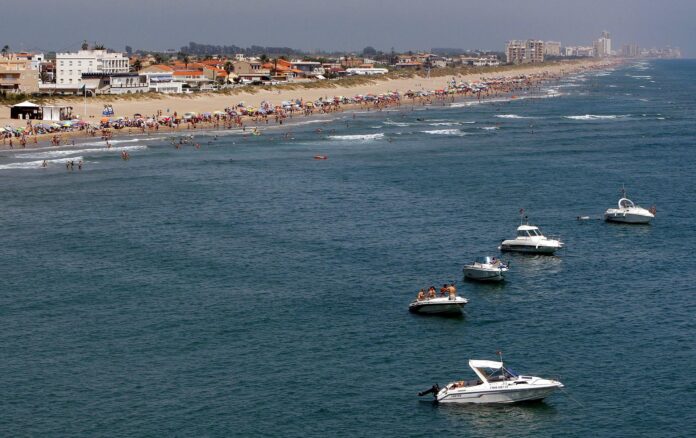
x: 529, y: 239
x: 450, y: 305
x: 628, y: 212
x: 485, y: 269
x: 495, y: 384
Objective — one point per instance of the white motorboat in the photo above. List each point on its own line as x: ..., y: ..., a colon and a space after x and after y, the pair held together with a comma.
x: 530, y: 240
x: 495, y: 384
x: 450, y: 305
x: 628, y: 212
x: 486, y: 269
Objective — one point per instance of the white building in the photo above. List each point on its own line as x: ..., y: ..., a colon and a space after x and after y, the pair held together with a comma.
x: 602, y: 46
x: 552, y: 48
x: 70, y: 66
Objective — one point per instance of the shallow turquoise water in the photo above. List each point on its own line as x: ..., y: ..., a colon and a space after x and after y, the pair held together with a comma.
x: 246, y: 289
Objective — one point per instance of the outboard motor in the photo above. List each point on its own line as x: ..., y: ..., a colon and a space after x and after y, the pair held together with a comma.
x: 434, y: 390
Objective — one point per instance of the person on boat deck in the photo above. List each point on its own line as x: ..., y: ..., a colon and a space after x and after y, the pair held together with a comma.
x: 443, y: 290
x: 421, y: 295
x: 431, y: 292
x: 452, y: 291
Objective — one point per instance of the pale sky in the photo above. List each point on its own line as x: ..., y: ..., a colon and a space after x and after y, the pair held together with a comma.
x: 348, y: 25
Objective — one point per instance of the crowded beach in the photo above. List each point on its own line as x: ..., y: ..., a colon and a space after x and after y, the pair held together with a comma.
x: 254, y: 112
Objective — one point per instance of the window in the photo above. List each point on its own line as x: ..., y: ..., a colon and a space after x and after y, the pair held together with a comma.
x: 79, y: 63
x: 71, y: 63
x: 62, y: 63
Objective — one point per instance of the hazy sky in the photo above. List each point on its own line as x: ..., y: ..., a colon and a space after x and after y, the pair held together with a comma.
x: 342, y: 25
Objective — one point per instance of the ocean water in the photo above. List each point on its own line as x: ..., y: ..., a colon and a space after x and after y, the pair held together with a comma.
x: 245, y: 289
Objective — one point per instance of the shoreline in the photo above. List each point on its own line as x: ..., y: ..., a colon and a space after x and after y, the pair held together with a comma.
x: 538, y: 76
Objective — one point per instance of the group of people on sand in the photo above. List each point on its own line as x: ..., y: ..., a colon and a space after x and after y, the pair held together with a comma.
x: 446, y: 290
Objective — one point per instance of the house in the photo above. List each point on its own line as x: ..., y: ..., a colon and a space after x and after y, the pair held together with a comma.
x: 408, y: 65
x: 215, y: 74
x: 191, y: 78
x: 114, y: 83
x: 309, y: 69
x: 282, y: 70
x: 160, y: 79
x: 251, y: 70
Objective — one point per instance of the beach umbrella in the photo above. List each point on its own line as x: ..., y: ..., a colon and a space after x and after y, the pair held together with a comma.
x: 104, y: 119
x: 219, y: 113
x: 2, y: 129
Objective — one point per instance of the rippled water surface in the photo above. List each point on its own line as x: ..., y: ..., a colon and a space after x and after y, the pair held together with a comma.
x: 247, y: 289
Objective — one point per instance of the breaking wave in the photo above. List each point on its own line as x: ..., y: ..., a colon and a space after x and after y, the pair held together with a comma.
x: 511, y: 116
x: 444, y: 132
x: 596, y: 117
x: 69, y: 152
x: 35, y: 164
x: 364, y: 137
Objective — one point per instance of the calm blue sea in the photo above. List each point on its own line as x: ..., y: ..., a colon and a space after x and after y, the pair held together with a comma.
x: 245, y: 289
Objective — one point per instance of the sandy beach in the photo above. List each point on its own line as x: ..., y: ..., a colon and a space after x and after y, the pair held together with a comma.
x: 168, y: 104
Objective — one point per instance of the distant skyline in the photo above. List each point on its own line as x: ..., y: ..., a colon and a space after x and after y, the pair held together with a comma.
x: 344, y: 25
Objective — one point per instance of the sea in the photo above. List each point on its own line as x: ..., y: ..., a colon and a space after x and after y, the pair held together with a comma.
x: 245, y: 288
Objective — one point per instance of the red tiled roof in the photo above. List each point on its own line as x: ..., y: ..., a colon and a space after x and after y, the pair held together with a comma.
x: 188, y: 73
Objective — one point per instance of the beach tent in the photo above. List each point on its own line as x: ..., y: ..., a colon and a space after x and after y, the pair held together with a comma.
x: 25, y: 110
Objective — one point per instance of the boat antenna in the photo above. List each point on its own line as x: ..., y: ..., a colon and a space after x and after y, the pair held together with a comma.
x: 502, y: 366
x: 522, y: 216
x: 623, y: 191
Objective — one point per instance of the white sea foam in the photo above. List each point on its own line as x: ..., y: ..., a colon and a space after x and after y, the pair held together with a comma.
x: 132, y: 140
x: 70, y: 152
x: 308, y: 122
x: 363, y: 137
x: 35, y: 164
x: 443, y: 124
x: 596, y: 117
x: 489, y: 128
x: 444, y: 132
x: 477, y: 102
x: 511, y: 116
x: 391, y: 122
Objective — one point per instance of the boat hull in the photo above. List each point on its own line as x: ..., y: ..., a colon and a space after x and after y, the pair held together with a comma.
x: 530, y: 248
x: 438, y: 306
x: 627, y: 218
x: 483, y: 275
x: 502, y: 396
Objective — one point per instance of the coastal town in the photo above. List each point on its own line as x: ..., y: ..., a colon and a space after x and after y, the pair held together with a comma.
x: 68, y: 93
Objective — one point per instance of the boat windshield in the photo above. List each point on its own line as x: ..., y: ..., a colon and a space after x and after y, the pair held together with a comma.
x: 526, y: 233
x: 500, y: 374
x: 484, y: 260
